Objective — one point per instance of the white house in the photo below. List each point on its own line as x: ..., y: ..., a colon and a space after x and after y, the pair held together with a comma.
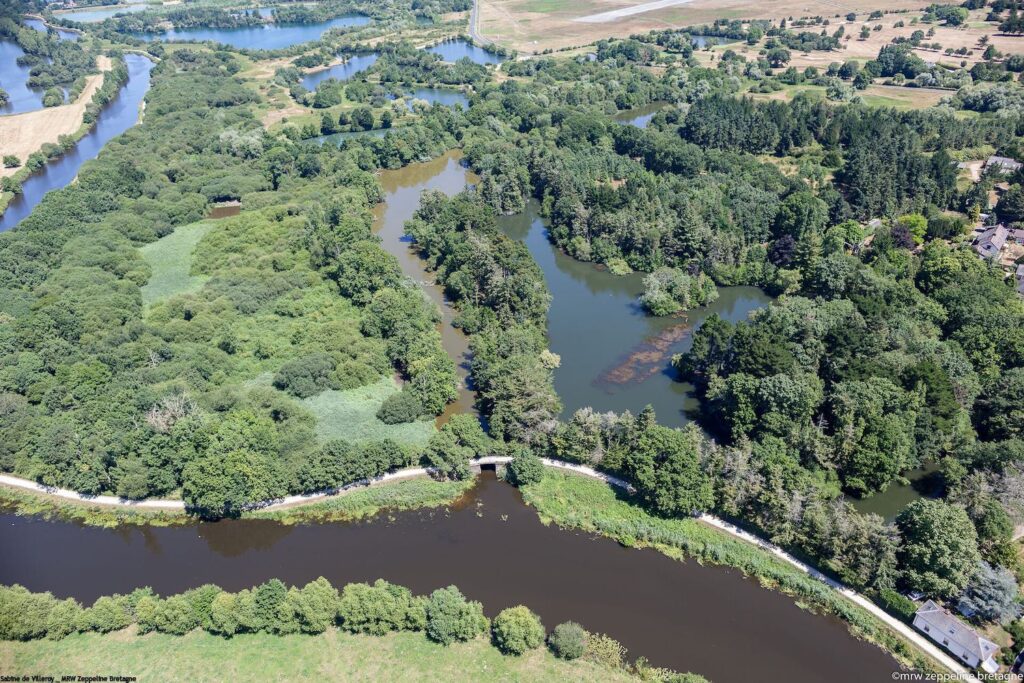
x: 960, y: 639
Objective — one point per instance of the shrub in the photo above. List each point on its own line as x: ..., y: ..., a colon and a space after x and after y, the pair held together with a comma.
x: 400, y: 407
x: 108, y: 613
x: 568, y: 640
x: 380, y: 608
x: 898, y: 604
x: 23, y: 615
x: 224, y: 614
x: 11, y: 161
x: 517, y: 630
x: 525, y: 468
x: 63, y: 619
x: 307, y: 376
x: 175, y: 615
x: 315, y: 606
x: 451, y: 618
x: 605, y: 650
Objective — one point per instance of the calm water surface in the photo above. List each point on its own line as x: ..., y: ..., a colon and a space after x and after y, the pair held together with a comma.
x: 454, y: 50
x: 266, y: 37
x: 682, y: 615
x: 88, y: 16
x: 924, y: 481
x: 38, y: 25
x: 448, y: 97
x: 14, y: 79
x: 402, y: 190
x: 353, y: 65
x: 614, y: 355
x: 641, y: 116
x: 118, y: 116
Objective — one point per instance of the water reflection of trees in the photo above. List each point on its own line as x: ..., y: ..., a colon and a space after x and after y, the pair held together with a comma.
x: 235, y: 537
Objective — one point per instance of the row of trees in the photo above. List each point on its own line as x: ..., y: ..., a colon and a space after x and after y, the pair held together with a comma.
x: 445, y: 617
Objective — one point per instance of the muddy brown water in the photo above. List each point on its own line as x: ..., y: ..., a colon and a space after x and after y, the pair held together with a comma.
x: 682, y: 615
x: 402, y: 190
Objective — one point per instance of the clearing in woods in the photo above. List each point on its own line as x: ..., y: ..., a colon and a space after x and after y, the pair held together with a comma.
x: 534, y: 25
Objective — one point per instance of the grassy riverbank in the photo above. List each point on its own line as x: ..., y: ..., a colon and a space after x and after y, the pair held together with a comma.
x: 333, y: 655
x: 581, y: 503
x: 355, y: 504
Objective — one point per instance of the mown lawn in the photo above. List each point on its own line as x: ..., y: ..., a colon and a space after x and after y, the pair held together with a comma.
x: 170, y: 257
x: 352, y: 415
x: 332, y: 656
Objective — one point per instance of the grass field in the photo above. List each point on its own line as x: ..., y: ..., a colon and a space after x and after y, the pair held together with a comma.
x: 332, y: 656
x: 534, y: 25
x: 875, y: 95
x: 170, y: 257
x: 352, y: 415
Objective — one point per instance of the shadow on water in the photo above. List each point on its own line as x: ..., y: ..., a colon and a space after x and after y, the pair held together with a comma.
x: 613, y: 355
x: 677, y: 614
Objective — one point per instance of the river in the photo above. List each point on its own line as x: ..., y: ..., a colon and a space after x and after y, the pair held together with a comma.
x: 119, y: 115
x: 686, y: 616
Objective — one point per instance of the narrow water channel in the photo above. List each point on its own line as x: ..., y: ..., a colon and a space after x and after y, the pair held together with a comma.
x: 119, y: 115
x: 682, y: 615
x: 402, y: 190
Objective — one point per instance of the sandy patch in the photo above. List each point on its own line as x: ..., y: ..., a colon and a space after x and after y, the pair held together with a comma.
x: 23, y: 134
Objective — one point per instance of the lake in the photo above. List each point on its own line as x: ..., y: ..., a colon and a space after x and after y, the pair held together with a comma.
x: 683, y: 615
x: 615, y: 356
x: 266, y: 37
x: 88, y: 16
x: 38, y: 25
x: 350, y: 67
x: 14, y: 80
x: 118, y: 116
x: 454, y: 50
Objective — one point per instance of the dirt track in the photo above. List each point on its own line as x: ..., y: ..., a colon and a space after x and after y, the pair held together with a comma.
x: 23, y: 134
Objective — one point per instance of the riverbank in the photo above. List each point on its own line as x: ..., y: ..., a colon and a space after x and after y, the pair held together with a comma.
x: 24, y: 134
x: 403, y: 490
x: 334, y: 655
x: 582, y: 503
x: 594, y: 502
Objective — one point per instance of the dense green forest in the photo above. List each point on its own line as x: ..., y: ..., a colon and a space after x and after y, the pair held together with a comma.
x: 891, y: 343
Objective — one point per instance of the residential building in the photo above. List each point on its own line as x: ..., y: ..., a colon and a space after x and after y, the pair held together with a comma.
x: 991, y: 241
x: 958, y: 638
x: 1002, y: 164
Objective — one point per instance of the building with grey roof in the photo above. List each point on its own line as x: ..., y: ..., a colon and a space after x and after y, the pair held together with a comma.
x: 958, y: 638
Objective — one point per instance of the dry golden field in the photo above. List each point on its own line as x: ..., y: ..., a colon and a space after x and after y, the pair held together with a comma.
x: 534, y: 25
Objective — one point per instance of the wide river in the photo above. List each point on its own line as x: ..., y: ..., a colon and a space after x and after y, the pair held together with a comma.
x: 682, y: 615
x: 119, y: 115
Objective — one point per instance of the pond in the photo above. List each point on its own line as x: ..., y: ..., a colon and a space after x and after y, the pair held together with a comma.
x: 641, y: 116
x: 118, y: 116
x: 701, y: 42
x: 350, y: 67
x: 267, y: 37
x: 454, y: 50
x: 448, y: 97
x: 88, y: 16
x: 922, y: 482
x: 682, y: 615
x: 615, y: 356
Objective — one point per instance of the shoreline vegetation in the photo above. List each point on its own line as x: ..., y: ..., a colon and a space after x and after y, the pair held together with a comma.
x: 382, y: 629
x: 568, y: 496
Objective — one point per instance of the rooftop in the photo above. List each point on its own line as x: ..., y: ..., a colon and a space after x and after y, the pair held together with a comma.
x: 945, y: 626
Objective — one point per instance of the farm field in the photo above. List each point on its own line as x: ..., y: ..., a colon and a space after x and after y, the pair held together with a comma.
x: 535, y: 25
